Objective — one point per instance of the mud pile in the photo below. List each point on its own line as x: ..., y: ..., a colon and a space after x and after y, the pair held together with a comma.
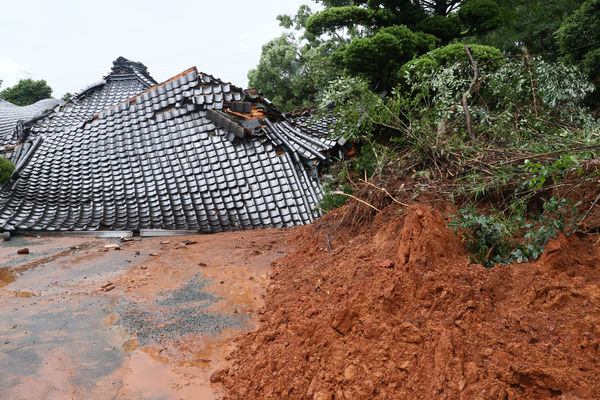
x: 397, y: 311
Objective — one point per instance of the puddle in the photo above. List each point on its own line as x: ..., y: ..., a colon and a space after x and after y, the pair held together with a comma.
x: 165, y: 326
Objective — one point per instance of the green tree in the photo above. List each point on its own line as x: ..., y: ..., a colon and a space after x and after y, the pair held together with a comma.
x: 379, y: 57
x: 27, y: 92
x: 67, y: 96
x: 530, y: 24
x: 290, y: 74
x: 426, y: 15
x: 384, y: 34
x: 579, y: 39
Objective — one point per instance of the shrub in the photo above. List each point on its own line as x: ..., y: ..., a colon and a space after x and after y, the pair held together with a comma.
x: 6, y: 169
x: 434, y: 61
x: 557, y: 86
x: 494, y: 239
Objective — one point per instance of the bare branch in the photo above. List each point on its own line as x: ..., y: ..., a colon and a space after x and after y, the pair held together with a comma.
x: 471, y: 90
x: 357, y: 199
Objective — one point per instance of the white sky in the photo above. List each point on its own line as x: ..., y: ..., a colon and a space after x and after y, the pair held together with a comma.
x: 72, y: 43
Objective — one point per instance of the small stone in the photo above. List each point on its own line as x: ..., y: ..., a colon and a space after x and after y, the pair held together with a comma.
x: 202, y: 264
x: 143, y: 267
x: 137, y: 253
x: 350, y: 372
x: 322, y: 396
x: 165, y: 242
x: 404, y: 365
x: 487, y: 352
x: 153, y: 254
x: 23, y: 251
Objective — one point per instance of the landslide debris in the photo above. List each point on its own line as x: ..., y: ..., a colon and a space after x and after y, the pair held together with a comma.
x: 397, y: 311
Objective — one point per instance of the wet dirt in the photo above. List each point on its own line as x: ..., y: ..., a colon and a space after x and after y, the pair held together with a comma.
x: 62, y: 336
x: 396, y: 311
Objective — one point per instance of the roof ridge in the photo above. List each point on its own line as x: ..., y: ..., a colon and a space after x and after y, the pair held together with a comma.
x: 123, y: 67
x: 151, y: 89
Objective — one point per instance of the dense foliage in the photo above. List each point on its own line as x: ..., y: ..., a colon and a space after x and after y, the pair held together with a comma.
x: 378, y: 57
x: 374, y: 38
x: 530, y: 24
x: 289, y: 75
x: 497, y: 98
x: 522, y: 107
x: 27, y: 92
x: 579, y: 40
x: 6, y: 169
x: 435, y: 61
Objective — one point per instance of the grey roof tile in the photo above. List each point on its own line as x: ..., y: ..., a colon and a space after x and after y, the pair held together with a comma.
x: 126, y: 168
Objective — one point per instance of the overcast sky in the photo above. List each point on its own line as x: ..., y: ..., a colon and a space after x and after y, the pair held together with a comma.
x: 72, y: 43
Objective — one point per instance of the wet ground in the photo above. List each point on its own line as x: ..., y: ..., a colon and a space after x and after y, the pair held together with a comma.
x: 152, y: 318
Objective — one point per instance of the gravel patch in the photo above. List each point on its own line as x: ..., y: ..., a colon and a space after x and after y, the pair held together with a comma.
x: 177, y: 313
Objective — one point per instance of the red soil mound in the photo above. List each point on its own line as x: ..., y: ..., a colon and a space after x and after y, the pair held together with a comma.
x: 396, y: 311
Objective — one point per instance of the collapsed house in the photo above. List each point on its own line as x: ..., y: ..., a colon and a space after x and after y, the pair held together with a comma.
x: 193, y: 153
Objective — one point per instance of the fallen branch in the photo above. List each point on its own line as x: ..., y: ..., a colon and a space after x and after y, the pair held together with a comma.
x: 551, y: 153
x: 589, y: 211
x: 385, y: 191
x: 357, y: 199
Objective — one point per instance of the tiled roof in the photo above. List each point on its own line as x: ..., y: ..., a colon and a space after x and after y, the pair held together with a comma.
x: 126, y: 79
x: 11, y: 113
x: 193, y: 153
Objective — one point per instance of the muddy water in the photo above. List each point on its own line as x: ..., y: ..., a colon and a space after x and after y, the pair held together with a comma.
x: 62, y: 327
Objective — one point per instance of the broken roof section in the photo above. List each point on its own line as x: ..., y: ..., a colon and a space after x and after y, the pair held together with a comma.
x: 10, y: 114
x: 193, y: 153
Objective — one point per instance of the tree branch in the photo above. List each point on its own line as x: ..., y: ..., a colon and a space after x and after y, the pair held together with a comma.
x: 471, y: 90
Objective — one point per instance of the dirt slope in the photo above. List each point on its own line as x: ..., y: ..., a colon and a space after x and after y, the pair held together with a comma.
x: 397, y: 311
